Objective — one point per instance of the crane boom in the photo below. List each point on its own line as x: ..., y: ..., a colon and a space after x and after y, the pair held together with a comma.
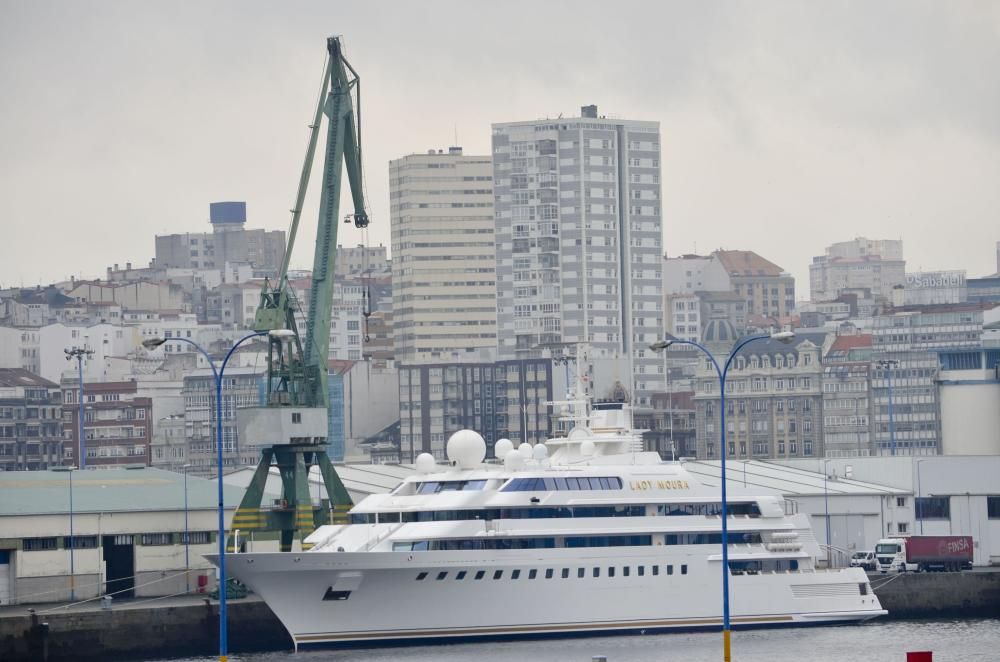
x: 291, y: 426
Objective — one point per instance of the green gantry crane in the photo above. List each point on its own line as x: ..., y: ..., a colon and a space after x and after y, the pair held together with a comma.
x: 292, y: 425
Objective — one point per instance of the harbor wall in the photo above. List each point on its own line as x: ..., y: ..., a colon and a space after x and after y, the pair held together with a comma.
x: 139, y: 632
x: 939, y: 594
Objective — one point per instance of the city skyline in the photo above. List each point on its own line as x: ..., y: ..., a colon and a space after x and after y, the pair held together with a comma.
x: 847, y: 119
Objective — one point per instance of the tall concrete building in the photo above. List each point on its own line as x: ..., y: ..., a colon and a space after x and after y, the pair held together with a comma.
x: 859, y: 264
x: 228, y: 241
x: 443, y: 267
x: 578, y: 240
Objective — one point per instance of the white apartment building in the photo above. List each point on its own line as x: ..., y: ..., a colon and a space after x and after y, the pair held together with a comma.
x: 443, y: 266
x: 107, y: 341
x: 578, y: 240
x: 170, y: 326
x: 360, y: 260
x: 686, y: 274
x: 875, y: 265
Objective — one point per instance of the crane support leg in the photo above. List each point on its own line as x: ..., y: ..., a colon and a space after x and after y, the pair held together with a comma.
x: 294, y: 514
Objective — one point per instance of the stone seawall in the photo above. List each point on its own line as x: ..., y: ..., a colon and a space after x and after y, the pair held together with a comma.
x: 125, y: 632
x: 939, y: 594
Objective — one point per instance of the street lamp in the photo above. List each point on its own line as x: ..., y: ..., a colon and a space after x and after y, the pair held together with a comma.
x: 72, y: 537
x: 78, y: 353
x: 187, y: 535
x: 888, y: 365
x: 826, y: 509
x: 153, y: 343
x: 781, y: 336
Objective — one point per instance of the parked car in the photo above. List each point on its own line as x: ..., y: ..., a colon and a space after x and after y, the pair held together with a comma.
x: 864, y: 559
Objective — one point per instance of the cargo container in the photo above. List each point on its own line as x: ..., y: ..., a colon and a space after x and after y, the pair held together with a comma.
x: 924, y: 553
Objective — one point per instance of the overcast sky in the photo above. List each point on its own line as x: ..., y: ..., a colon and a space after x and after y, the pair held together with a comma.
x: 785, y: 125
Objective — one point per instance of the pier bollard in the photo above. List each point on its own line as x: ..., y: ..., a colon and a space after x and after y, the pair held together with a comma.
x: 920, y: 656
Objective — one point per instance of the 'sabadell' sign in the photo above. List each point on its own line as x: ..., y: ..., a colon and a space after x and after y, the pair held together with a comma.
x: 935, y: 280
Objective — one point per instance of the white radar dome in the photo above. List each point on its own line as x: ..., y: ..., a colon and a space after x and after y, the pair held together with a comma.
x: 426, y: 463
x: 540, y: 452
x: 513, y: 460
x: 502, y: 447
x: 466, y: 448
x: 525, y: 450
x: 587, y: 448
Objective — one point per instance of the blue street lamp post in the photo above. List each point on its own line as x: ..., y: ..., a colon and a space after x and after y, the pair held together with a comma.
x: 153, y: 343
x: 889, y: 365
x: 783, y: 336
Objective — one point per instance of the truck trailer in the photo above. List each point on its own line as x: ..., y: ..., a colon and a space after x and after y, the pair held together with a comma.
x: 924, y: 554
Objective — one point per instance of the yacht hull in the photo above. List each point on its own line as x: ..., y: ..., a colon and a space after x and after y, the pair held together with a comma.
x: 366, y: 598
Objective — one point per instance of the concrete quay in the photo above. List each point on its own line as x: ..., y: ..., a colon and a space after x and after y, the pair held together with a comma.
x: 971, y: 594
x: 136, y: 629
x: 189, y: 625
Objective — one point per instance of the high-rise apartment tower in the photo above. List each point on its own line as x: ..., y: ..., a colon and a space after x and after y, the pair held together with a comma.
x: 578, y: 240
x: 443, y: 273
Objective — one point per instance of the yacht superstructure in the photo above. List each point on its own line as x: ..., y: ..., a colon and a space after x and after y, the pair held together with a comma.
x: 583, y: 534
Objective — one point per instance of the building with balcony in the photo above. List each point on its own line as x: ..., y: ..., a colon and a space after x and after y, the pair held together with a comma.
x: 118, y: 424
x: 31, y: 429
x: 241, y: 387
x: 774, y: 401
x: 847, y: 401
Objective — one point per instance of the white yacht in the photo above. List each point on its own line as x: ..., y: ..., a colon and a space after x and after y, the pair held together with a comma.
x: 584, y: 534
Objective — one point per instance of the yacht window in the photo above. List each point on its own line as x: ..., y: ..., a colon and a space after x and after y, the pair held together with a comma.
x: 656, y: 569
x: 422, y: 576
x: 608, y: 541
x: 565, y: 573
x: 480, y: 574
x: 514, y: 574
x: 684, y: 570
x: 441, y: 575
x: 532, y: 574
x: 498, y: 574
x: 670, y: 569
x: 642, y: 571
x: 597, y: 572
x: 557, y: 484
x: 435, y: 486
x: 625, y: 571
x: 611, y: 571
x: 548, y: 573
x: 461, y: 574
x: 580, y: 572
